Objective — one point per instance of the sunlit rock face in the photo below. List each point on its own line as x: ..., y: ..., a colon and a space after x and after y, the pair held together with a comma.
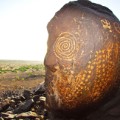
x: 82, y: 60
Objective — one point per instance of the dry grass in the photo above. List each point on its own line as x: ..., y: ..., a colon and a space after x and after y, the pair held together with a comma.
x: 19, y: 75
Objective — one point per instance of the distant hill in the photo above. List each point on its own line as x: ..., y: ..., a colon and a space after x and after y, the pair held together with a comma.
x: 20, y: 62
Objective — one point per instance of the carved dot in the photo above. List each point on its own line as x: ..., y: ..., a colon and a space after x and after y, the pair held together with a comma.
x: 88, y: 76
x: 91, y: 67
x: 99, y: 66
x: 86, y: 80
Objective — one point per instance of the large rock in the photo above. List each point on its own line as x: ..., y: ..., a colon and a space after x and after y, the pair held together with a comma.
x: 82, y: 61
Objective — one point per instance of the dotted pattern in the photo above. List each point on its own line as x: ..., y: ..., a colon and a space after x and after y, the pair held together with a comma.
x: 65, y: 46
x: 91, y: 83
x: 68, y: 90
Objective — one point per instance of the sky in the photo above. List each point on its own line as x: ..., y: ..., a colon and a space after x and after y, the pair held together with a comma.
x: 23, y: 32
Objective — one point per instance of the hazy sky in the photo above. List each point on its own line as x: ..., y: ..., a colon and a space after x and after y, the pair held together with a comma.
x: 23, y: 33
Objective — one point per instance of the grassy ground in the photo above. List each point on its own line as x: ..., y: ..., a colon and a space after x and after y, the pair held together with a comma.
x: 16, y: 75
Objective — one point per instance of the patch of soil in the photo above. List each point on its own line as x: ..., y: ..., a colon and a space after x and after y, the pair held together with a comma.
x: 9, y: 82
x: 13, y: 85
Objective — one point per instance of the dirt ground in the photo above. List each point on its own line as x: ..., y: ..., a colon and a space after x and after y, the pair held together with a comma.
x: 19, y: 81
x: 15, y: 85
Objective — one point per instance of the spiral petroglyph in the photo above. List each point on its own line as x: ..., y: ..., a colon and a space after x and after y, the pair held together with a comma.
x: 65, y: 46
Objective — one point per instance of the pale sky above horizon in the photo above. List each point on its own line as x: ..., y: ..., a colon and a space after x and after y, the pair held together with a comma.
x: 23, y: 32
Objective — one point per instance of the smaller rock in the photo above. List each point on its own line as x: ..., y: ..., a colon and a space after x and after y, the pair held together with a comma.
x: 8, y: 115
x: 12, y: 104
x: 27, y: 94
x: 9, y: 108
x: 42, y: 102
x: 29, y: 114
x: 18, y: 100
x: 45, y: 114
x: 42, y: 98
x: 41, y: 117
x: 33, y: 109
x: 28, y: 105
x: 24, y: 107
x: 36, y: 97
x: 37, y: 119
x: 4, y: 105
x: 1, y: 118
x: 40, y: 89
x: 40, y: 105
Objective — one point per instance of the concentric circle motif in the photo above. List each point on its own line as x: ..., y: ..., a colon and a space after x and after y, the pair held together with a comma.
x: 65, y: 46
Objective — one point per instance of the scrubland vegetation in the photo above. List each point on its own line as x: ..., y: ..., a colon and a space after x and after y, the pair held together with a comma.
x: 20, y: 74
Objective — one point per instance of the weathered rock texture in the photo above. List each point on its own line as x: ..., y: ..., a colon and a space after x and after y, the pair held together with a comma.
x: 30, y: 105
x: 82, y: 61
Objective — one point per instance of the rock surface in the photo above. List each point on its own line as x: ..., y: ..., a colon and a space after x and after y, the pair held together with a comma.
x: 29, y: 105
x: 83, y: 59
x: 17, y: 107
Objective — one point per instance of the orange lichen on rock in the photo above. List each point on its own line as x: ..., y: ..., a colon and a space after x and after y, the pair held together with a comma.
x: 82, y: 61
x: 90, y: 84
